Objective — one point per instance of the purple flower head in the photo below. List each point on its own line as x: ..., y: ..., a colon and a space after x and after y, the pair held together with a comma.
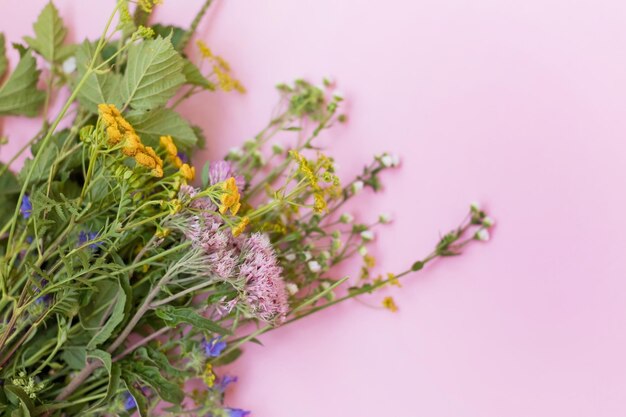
x: 265, y: 290
x: 26, y: 208
x: 129, y: 401
x: 214, y: 347
x: 221, y: 171
x: 44, y: 299
x: 183, y: 157
x: 84, y: 237
x: 236, y: 412
x: 225, y: 381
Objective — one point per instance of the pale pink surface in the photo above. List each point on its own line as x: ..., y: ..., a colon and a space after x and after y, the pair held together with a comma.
x: 519, y: 105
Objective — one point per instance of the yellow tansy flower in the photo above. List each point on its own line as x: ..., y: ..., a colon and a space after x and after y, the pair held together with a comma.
x: 204, y: 49
x: 237, y: 230
x: 230, y: 198
x: 188, y: 172
x: 132, y: 145
x: 157, y: 171
x: 168, y: 144
x: 145, y: 160
x: 370, y: 261
x: 393, y: 280
x: 390, y: 305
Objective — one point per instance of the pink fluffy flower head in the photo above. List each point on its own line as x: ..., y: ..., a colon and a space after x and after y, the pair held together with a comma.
x: 265, y: 290
x: 221, y: 171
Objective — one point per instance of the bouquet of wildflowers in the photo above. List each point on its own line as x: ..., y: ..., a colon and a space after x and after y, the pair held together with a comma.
x: 126, y: 272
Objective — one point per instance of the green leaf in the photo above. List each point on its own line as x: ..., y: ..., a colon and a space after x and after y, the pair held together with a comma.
x: 17, y: 396
x: 19, y: 94
x: 153, y: 74
x: 102, y: 356
x: 177, y: 33
x: 231, y: 356
x: 97, y: 88
x: 159, y: 359
x: 151, y: 375
x: 4, y: 62
x: 114, y: 370
x: 116, y: 317
x: 74, y: 356
x: 193, y: 76
x: 156, y: 123
x: 49, y: 36
x: 177, y: 315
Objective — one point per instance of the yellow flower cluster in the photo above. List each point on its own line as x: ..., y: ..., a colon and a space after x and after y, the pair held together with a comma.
x: 319, y: 203
x: 390, y: 304
x: 186, y: 171
x: 230, y: 198
x: 120, y: 131
x: 237, y: 230
x: 221, y: 68
x: 208, y: 376
x: 148, y: 5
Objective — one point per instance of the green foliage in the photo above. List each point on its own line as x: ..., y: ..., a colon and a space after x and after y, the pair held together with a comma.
x: 156, y: 123
x: 49, y: 36
x: 153, y: 74
x: 4, y: 62
x: 19, y: 94
x: 99, y: 87
x: 174, y: 316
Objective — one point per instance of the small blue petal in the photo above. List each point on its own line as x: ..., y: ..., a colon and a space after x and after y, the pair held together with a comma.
x: 129, y: 401
x: 214, y: 347
x: 236, y: 412
x: 26, y: 207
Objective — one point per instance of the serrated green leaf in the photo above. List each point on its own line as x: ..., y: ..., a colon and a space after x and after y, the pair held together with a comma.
x: 19, y: 94
x: 102, y: 356
x: 193, y: 76
x: 74, y: 357
x: 49, y: 35
x: 230, y: 357
x: 116, y: 317
x: 160, y: 359
x: 153, y: 74
x: 151, y: 376
x: 97, y: 88
x: 182, y: 315
x: 4, y: 62
x: 156, y: 123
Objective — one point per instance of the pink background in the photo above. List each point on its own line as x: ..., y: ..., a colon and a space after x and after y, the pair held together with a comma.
x: 519, y: 105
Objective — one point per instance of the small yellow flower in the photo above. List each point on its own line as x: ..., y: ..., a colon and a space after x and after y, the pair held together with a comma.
x: 114, y: 135
x: 204, y: 49
x: 222, y: 63
x: 390, y: 305
x: 188, y: 172
x: 208, y: 376
x: 230, y: 198
x: 393, y: 280
x: 237, y: 230
x: 167, y: 143
x: 157, y: 171
x: 132, y: 145
x: 369, y: 260
x: 319, y: 203
x: 145, y: 160
x: 123, y: 123
x: 224, y: 80
x: 153, y: 155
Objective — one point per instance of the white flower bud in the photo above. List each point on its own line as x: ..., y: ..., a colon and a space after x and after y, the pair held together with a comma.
x: 69, y: 65
x: 367, y: 235
x: 362, y: 250
x: 346, y: 218
x: 290, y: 257
x: 235, y: 151
x: 307, y: 255
x: 314, y: 266
x: 357, y: 186
x: 386, y: 160
x: 384, y: 218
x: 482, y: 234
x: 475, y: 206
x: 338, y: 95
x: 395, y: 159
x: 292, y: 288
x: 488, y: 221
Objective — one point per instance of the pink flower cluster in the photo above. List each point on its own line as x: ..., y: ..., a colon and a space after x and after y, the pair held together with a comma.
x: 247, y: 261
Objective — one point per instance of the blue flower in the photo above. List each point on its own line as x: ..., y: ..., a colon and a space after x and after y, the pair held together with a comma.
x: 26, y: 207
x: 129, y: 401
x: 214, y: 347
x: 183, y: 157
x: 84, y: 237
x: 225, y: 381
x: 236, y: 412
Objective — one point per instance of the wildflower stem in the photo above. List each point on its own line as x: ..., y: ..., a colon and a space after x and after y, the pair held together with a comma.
x: 194, y: 24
